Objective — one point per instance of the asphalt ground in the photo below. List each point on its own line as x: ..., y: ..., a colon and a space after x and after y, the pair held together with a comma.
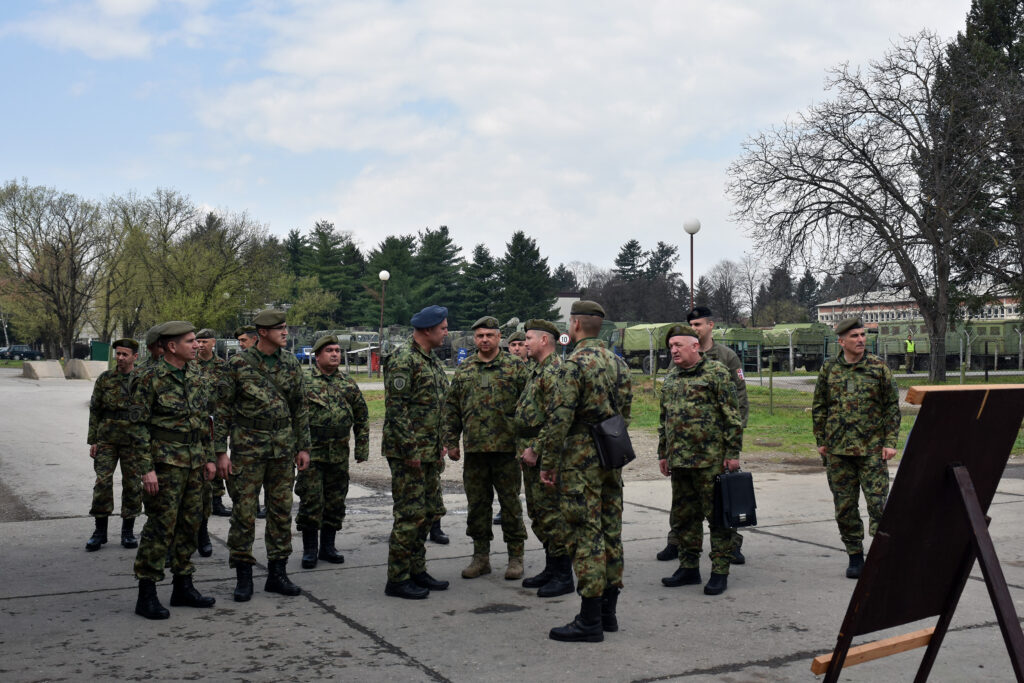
x: 68, y: 615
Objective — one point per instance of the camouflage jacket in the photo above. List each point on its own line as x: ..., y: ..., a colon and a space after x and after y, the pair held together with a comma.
x: 262, y: 406
x: 586, y: 382
x: 727, y: 357
x: 170, y: 420
x: 700, y: 423
x: 532, y: 408
x: 108, y: 409
x: 481, y: 404
x: 212, y: 368
x: 336, y: 406
x: 856, y: 407
x: 414, y: 389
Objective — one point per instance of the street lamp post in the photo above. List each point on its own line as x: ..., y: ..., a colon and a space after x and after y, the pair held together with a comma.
x: 692, y: 227
x: 384, y: 277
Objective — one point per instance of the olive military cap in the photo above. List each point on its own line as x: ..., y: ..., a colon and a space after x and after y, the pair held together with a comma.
x: 153, y: 334
x: 680, y: 331
x: 244, y: 329
x: 429, y: 317
x: 176, y: 328
x: 323, y: 341
x: 271, y: 317
x: 698, y: 312
x: 517, y: 336
x: 488, y: 321
x: 543, y: 326
x: 586, y: 308
x: 845, y: 326
x: 206, y: 333
x: 126, y: 344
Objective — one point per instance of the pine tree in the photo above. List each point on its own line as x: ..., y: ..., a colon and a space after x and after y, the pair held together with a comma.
x: 527, y: 290
x: 631, y: 261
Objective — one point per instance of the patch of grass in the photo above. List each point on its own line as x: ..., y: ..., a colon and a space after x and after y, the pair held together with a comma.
x: 374, y: 403
x: 10, y: 363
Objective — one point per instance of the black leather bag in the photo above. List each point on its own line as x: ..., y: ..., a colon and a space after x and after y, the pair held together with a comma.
x: 614, y: 447
x: 735, y: 505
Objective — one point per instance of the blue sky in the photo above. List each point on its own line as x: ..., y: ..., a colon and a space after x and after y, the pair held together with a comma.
x: 584, y: 124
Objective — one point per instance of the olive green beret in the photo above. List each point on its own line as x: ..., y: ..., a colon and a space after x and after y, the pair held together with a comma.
x: 543, y: 326
x: 176, y: 328
x: 244, y: 329
x: 488, y: 321
x: 153, y: 334
x: 271, y: 317
x: 126, y: 344
x: 586, y: 308
x: 517, y: 336
x: 324, y: 341
x: 680, y: 331
x: 206, y: 333
x: 845, y: 326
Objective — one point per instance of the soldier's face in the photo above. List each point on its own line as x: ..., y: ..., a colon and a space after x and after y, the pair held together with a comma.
x: 205, y: 348
x: 436, y: 334
x: 277, y: 336
x: 245, y: 341
x: 329, y: 358
x: 534, y: 343
x: 184, y: 348
x: 703, y: 327
x: 518, y: 348
x: 685, y: 350
x: 486, y: 340
x: 125, y: 359
x: 853, y: 341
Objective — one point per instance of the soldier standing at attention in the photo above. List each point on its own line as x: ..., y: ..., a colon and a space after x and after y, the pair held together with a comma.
x: 336, y: 406
x: 480, y: 406
x: 594, y: 384
x: 171, y: 439
x: 213, y: 490
x: 542, y: 501
x: 702, y: 323
x: 247, y: 336
x: 517, y: 344
x: 110, y: 444
x: 152, y: 340
x: 263, y: 407
x: 414, y: 390
x: 700, y: 432
x: 856, y: 413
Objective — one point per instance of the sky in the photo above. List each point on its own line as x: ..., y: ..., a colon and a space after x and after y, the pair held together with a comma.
x: 582, y: 123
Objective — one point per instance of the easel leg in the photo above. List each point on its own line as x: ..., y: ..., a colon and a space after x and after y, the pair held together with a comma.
x: 945, y: 618
x: 998, y: 591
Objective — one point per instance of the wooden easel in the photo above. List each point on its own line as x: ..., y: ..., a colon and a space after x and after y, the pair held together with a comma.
x: 934, y: 528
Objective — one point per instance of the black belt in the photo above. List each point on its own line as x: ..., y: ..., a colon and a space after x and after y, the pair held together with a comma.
x: 527, y: 432
x: 172, y: 436
x: 327, y: 432
x: 116, y: 415
x: 264, y: 424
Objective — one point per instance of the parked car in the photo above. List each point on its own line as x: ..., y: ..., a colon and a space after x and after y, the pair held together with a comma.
x: 21, y: 352
x: 305, y: 354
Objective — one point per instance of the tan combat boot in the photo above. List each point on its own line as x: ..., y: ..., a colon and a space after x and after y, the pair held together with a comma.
x: 480, y: 565
x: 515, y: 568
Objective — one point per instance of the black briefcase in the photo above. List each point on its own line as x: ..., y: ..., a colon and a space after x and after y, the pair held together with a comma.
x: 735, y: 505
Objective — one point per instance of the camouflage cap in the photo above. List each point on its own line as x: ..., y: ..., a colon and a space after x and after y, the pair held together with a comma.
x: 244, y: 329
x: 678, y: 330
x: 698, y: 312
x: 271, y: 317
x: 583, y: 307
x: 126, y: 343
x: 206, y: 333
x: 429, y: 317
x: 176, y: 328
x: 323, y: 341
x: 517, y: 336
x: 845, y: 326
x: 488, y: 322
x: 153, y: 334
x: 543, y: 326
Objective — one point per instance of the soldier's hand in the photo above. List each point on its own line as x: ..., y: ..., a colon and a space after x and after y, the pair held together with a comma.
x: 302, y: 460
x: 209, y: 471
x: 731, y: 464
x: 530, y: 456
x: 549, y: 477
x: 888, y: 453
x: 663, y: 466
x: 453, y: 453
x: 150, y: 483
x: 224, y: 468
x: 92, y: 451
x: 822, y: 451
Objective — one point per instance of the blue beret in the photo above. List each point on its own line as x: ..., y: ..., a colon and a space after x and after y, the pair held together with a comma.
x: 429, y: 316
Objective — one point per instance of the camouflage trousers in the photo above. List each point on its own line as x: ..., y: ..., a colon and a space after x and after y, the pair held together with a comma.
x: 675, y: 519
x: 591, y: 503
x: 545, y: 513
x: 276, y: 476
x: 108, y: 455
x: 696, y: 487
x: 211, y: 489
x: 483, y: 474
x: 416, y: 495
x: 322, y: 489
x: 173, y: 517
x: 847, y: 477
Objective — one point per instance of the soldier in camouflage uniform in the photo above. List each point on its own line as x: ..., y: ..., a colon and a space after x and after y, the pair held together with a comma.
x: 517, y: 344
x: 263, y: 406
x: 479, y: 407
x: 336, y: 408
x: 152, y: 340
x: 856, y: 415
x: 209, y: 365
x: 702, y: 323
x: 700, y: 432
x: 110, y: 444
x: 542, y: 501
x: 414, y: 389
x: 594, y: 384
x: 170, y: 429
x: 247, y: 336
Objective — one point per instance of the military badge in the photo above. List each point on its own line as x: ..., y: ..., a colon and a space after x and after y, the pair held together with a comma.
x: 399, y: 383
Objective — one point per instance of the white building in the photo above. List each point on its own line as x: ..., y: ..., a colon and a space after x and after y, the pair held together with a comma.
x: 880, y: 307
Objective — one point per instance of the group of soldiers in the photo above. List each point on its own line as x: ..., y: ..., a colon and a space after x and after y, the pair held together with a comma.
x: 518, y: 417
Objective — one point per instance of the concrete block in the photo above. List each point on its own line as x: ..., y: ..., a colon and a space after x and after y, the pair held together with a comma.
x: 84, y: 369
x: 42, y: 369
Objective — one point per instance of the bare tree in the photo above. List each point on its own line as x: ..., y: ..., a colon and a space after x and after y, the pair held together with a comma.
x: 751, y: 278
x: 725, y: 279
x: 588, y: 275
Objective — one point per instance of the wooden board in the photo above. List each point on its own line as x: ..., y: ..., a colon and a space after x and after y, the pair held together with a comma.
x: 876, y: 650
x: 916, y: 394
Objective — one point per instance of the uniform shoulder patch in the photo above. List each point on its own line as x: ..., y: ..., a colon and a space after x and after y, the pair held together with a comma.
x: 399, y: 382
x: 135, y: 413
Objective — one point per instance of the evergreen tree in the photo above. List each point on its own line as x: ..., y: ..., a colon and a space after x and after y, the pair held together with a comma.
x: 479, y: 284
x: 396, y: 254
x: 297, y: 252
x: 631, y: 261
x: 438, y: 265
x: 565, y: 279
x: 807, y: 294
x: 705, y: 292
x: 527, y: 290
x: 661, y: 259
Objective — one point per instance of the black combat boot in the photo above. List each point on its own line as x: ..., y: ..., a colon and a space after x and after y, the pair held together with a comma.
x: 561, y: 581
x: 609, y: 600
x: 99, y: 536
x: 682, y: 577
x: 328, y: 553
x: 148, y: 605
x: 243, y: 588
x: 128, y: 539
x: 856, y: 566
x: 218, y: 509
x: 585, y: 628
x: 669, y: 552
x: 309, y: 547
x: 737, y: 557
x: 203, y: 544
x: 425, y: 580
x: 184, y: 594
x: 436, y: 535
x: 405, y: 589
x: 278, y: 581
x: 545, y: 575
x: 717, y: 584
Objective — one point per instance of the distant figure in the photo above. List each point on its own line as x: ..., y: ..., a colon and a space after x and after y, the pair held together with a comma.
x: 910, y: 352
